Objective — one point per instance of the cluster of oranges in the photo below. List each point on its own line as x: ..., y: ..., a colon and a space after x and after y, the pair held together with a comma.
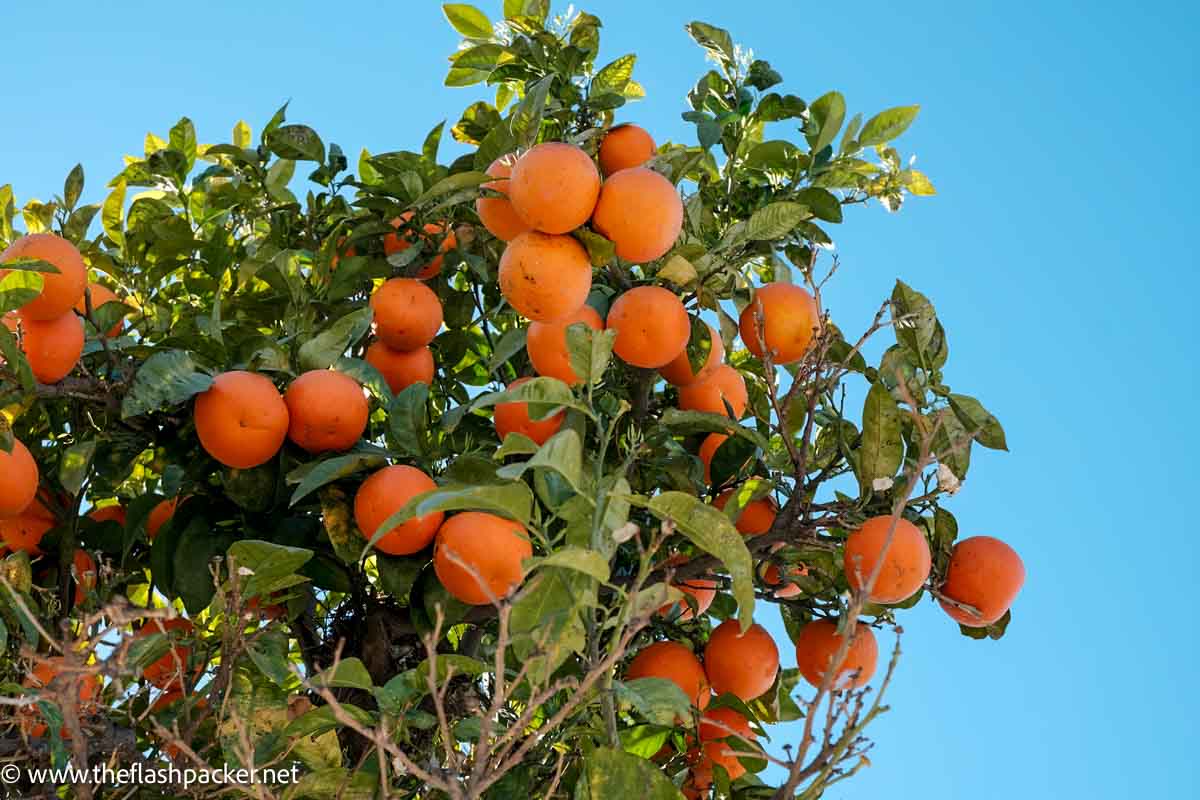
x: 51, y: 324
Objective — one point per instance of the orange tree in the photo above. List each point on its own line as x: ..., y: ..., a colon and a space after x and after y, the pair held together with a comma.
x: 466, y: 480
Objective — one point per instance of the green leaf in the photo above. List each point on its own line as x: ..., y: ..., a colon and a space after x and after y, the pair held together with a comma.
x: 182, y: 139
x: 589, y: 351
x: 511, y: 343
x: 915, y: 321
x: 453, y: 183
x: 589, y: 562
x: 19, y: 287
x: 297, y: 142
x: 882, y: 449
x: 315, y: 474
x: 644, y: 741
x: 710, y: 530
x: 242, y: 134
x: 265, y: 563
x: 887, y: 125
x: 775, y: 220
x: 562, y: 452
x: 704, y: 422
x: 512, y: 500
x: 164, y: 380
x: 338, y: 782
x: 349, y: 673
x: 468, y: 20
x: 475, y: 64
x: 321, y: 351
x: 397, y: 576
x: 952, y: 443
x: 716, y: 41
x: 609, y: 773
x: 269, y: 652
x: 978, y: 421
x: 76, y: 460
x: 614, y: 77
x: 919, y: 183
x: 73, y: 187
x: 826, y: 115
x: 15, y: 359
x: 526, y: 118
x: 821, y: 202
x: 112, y: 214
x: 408, y: 419
x: 601, y: 251
x: 321, y: 720
x: 659, y: 700
x: 545, y: 624
x: 544, y: 395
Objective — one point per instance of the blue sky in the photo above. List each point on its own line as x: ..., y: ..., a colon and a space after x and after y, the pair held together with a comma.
x: 1061, y: 138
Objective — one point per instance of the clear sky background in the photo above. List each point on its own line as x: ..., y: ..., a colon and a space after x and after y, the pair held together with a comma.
x: 1059, y: 253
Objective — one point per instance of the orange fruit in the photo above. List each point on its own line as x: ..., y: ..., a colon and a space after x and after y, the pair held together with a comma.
x: 18, y: 480
x: 818, y: 643
x: 159, y: 516
x: 554, y: 186
x: 679, y: 370
x: 513, y: 417
x: 743, y: 664
x: 790, y: 318
x: 497, y: 213
x: 101, y: 295
x: 61, y: 290
x: 545, y: 277
x: 45, y: 670
x: 756, y: 518
x: 397, y: 243
x: 493, y: 547
x: 84, y: 571
x: 110, y: 513
x: 168, y: 671
x: 383, y: 494
x: 546, y: 343
x: 641, y: 212
x: 25, y: 530
x: 703, y: 590
x: 53, y: 346
x: 708, y: 449
x: 625, y: 146
x: 327, y: 410
x: 241, y: 420
x: 652, y: 326
x: 676, y: 663
x: 905, y: 565
x: 772, y: 577
x: 725, y: 723
x: 985, y: 573
x: 709, y: 394
x: 400, y: 368
x: 407, y: 313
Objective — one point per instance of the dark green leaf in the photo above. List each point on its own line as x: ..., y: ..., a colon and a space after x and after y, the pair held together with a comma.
x: 297, y: 142
x: 882, y: 449
x: 164, y: 380
x: 611, y: 773
x: 321, y: 351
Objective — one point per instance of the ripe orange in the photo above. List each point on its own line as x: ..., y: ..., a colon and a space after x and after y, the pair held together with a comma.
x: 709, y: 394
x: 327, y: 410
x: 385, y: 493
x: 790, y: 317
x: 554, y: 186
x: 53, y: 346
x: 168, y: 671
x: 679, y: 370
x: 905, y: 566
x: 241, y: 420
x: 725, y: 723
x: 756, y: 518
x: 986, y: 573
x: 407, y: 313
x: 61, y: 290
x: 702, y: 590
x: 641, y: 212
x: 514, y: 418
x: 110, y: 513
x: 25, y: 530
x: 625, y: 146
x: 84, y: 572
x: 396, y: 243
x: 772, y: 577
x: 675, y: 662
x: 159, y: 516
x: 743, y: 664
x: 497, y: 213
x: 45, y: 670
x: 652, y: 326
x: 545, y: 277
x: 18, y: 480
x: 546, y: 344
x: 493, y: 547
x: 400, y: 368
x: 708, y: 449
x: 818, y: 643
x: 101, y: 295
